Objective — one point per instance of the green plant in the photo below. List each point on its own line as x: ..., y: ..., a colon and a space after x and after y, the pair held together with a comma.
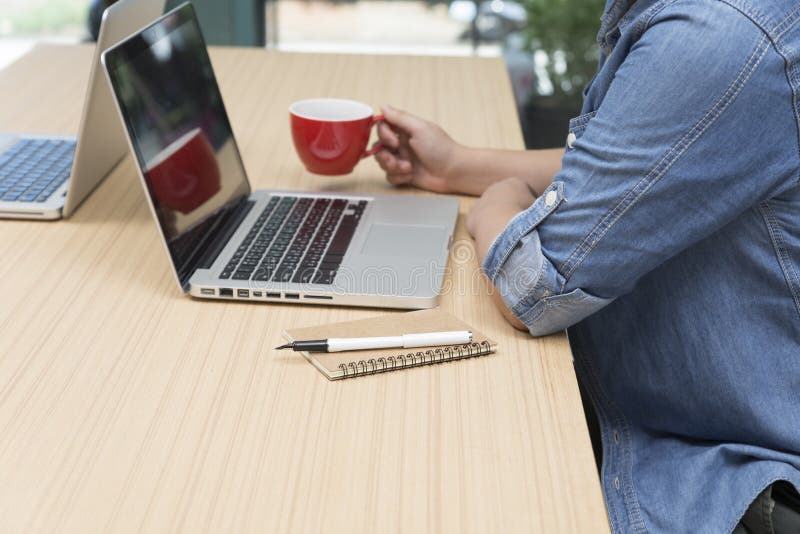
x: 566, y: 31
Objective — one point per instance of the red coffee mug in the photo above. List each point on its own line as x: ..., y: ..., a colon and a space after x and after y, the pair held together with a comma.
x: 331, y: 134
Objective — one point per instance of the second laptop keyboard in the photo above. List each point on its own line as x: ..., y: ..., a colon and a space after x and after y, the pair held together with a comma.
x: 32, y: 169
x: 297, y: 239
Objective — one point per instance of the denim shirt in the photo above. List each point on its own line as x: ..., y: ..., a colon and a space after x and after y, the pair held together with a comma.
x: 669, y: 246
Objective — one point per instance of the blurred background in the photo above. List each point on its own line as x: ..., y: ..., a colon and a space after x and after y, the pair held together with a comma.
x: 548, y: 45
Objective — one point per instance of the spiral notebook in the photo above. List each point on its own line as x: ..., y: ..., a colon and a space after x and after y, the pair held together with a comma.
x: 336, y: 365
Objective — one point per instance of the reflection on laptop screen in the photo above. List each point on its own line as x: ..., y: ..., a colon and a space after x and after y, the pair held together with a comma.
x: 179, y: 129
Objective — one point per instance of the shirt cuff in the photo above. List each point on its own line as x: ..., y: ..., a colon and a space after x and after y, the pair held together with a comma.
x: 528, y: 283
x: 519, y: 228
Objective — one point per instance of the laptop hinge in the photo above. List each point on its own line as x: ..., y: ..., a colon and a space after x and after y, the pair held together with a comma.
x: 220, y: 235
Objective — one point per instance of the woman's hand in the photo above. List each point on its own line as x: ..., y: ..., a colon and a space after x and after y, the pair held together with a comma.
x: 420, y: 153
x: 417, y: 152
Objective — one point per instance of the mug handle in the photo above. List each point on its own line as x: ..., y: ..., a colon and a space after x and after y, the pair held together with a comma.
x: 377, y: 148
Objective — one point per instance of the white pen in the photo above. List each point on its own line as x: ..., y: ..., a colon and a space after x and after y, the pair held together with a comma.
x: 406, y: 341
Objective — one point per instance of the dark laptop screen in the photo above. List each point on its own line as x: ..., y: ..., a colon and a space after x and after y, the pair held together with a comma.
x: 173, y: 110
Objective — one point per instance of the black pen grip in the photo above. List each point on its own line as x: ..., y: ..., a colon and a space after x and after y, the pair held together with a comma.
x: 319, y: 345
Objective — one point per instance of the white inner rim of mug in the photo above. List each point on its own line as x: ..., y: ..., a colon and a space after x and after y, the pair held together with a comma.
x: 330, y: 110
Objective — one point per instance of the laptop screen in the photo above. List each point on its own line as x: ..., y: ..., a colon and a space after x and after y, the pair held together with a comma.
x: 182, y: 139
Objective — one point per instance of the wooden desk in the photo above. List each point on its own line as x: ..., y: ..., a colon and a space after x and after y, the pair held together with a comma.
x: 125, y: 405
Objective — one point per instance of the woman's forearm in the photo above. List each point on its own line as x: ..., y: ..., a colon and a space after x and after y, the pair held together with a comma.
x: 478, y: 168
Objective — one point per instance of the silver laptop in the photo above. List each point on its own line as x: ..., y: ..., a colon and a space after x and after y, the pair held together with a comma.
x: 226, y: 241
x: 46, y: 176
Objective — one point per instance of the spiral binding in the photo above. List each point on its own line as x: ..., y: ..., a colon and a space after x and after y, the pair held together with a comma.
x: 414, y: 359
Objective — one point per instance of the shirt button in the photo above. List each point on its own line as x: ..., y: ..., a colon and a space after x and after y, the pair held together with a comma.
x: 550, y: 199
x: 571, y: 138
x: 616, y: 437
x: 616, y: 482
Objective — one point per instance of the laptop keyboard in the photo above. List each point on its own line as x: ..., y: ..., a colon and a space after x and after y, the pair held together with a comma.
x: 32, y: 169
x: 297, y: 239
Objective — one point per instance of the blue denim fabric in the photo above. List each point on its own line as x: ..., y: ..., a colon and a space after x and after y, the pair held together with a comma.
x: 669, y: 246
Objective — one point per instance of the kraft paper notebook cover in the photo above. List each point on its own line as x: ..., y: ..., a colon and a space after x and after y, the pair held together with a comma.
x: 336, y: 365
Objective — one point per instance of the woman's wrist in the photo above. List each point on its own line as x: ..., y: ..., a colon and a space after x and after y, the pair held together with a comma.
x: 469, y: 172
x: 458, y: 167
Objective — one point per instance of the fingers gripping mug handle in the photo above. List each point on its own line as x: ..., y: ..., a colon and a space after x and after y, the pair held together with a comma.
x: 377, y: 148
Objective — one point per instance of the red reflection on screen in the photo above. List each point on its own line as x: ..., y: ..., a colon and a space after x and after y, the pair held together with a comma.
x: 186, y: 174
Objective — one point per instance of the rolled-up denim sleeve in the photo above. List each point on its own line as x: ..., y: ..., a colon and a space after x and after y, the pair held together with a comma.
x: 692, y: 131
x: 527, y: 280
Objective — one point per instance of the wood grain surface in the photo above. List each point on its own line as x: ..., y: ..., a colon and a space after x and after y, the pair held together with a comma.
x: 127, y: 406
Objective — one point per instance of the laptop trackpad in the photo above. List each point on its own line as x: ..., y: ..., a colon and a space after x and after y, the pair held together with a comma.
x: 406, y: 240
